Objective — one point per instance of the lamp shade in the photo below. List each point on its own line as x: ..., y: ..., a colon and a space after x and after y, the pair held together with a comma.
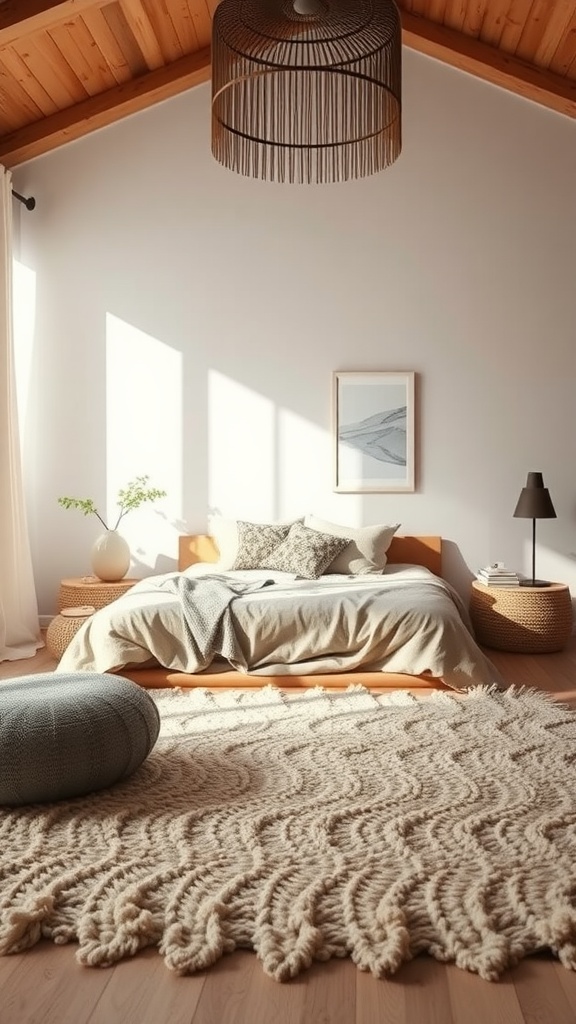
x: 306, y: 90
x: 535, y: 501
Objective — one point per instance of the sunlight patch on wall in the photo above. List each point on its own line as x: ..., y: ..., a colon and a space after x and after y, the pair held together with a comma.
x: 143, y: 433
x: 24, y: 318
x: 304, y: 464
x: 242, y: 455
x: 266, y: 462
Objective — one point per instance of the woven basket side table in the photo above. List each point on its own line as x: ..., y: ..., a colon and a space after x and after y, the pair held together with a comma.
x: 89, y: 590
x: 64, y: 627
x: 523, y: 620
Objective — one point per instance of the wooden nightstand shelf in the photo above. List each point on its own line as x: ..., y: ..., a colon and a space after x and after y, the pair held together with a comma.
x: 89, y: 590
x: 526, y: 620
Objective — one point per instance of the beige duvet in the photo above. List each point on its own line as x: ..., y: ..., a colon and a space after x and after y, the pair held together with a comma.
x: 406, y: 620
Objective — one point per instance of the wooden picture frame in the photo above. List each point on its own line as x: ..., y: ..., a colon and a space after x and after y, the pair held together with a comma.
x: 373, y: 426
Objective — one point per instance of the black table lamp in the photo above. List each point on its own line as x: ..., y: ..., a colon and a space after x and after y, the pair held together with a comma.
x: 534, y: 503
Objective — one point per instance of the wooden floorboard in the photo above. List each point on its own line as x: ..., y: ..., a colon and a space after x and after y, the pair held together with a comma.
x: 165, y: 996
x: 45, y: 985
x: 538, y: 1000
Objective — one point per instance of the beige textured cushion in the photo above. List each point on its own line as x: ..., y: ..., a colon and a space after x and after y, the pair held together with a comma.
x: 305, y: 552
x: 366, y: 551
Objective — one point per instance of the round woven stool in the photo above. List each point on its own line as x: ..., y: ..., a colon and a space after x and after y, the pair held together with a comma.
x: 65, y: 626
x: 523, y: 620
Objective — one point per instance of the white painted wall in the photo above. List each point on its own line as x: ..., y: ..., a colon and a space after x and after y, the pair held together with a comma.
x: 187, y: 323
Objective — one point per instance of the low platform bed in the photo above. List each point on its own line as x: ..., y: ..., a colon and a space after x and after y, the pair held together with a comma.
x: 403, y: 628
x: 196, y: 548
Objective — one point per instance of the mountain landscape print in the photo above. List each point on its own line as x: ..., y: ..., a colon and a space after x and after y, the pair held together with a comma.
x: 373, y: 431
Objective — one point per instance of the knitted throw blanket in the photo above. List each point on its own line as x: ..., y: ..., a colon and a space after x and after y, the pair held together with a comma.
x: 207, y: 619
x: 314, y: 826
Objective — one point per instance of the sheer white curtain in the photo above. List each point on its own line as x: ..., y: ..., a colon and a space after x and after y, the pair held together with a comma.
x: 19, y: 626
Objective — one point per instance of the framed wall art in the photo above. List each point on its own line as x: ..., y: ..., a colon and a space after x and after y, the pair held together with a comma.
x: 373, y: 431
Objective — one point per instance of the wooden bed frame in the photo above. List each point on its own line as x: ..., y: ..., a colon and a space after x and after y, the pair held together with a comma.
x: 425, y: 550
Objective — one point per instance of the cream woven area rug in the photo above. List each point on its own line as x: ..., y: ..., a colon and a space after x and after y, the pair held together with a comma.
x: 314, y: 826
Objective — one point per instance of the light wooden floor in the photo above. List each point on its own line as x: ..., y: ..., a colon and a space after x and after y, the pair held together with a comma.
x: 46, y: 986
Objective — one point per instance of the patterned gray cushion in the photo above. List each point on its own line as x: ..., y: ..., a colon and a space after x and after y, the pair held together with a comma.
x: 306, y: 552
x: 256, y: 541
x: 63, y: 736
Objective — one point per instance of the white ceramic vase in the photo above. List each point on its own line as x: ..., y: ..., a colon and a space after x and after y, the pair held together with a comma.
x: 110, y: 556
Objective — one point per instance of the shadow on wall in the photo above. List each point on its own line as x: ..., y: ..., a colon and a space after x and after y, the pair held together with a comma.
x: 454, y: 568
x: 143, y: 565
x: 162, y: 564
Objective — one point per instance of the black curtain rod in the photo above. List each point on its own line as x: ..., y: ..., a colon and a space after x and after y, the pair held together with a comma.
x: 29, y: 203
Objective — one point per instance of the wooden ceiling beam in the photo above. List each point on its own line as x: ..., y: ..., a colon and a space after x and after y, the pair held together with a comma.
x: 19, y: 18
x: 143, y: 32
x: 104, y: 109
x: 460, y: 51
x: 482, y: 61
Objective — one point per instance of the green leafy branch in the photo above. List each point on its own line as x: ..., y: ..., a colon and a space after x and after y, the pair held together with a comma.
x: 135, y: 493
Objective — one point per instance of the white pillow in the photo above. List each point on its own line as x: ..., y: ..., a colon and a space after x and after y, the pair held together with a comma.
x: 202, y: 569
x: 366, y: 552
x: 225, y: 533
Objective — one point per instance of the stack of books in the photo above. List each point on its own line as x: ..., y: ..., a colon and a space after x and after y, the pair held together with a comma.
x: 497, y: 575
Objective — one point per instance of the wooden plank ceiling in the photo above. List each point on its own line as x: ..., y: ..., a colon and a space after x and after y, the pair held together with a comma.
x: 70, y: 67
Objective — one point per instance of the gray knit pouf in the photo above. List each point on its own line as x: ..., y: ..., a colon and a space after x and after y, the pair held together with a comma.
x: 68, y: 735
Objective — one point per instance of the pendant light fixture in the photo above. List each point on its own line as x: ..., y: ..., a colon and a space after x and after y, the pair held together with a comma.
x: 306, y: 90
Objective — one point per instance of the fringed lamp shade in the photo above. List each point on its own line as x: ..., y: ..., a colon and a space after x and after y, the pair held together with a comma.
x: 306, y: 90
